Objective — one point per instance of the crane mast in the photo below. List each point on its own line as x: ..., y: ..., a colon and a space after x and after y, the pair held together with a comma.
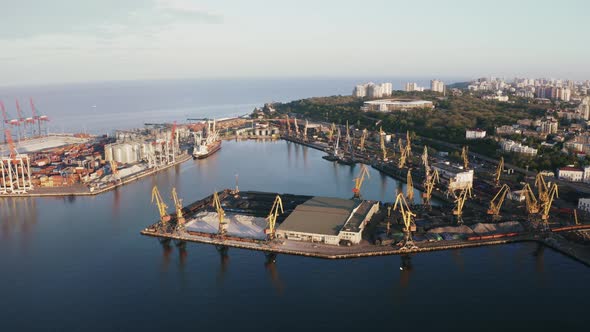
x: 408, y: 145
x: 425, y: 161
x: 532, y: 205
x: 362, y: 142
x: 222, y: 230
x: 497, y: 201
x: 157, y: 199
x: 402, y: 157
x: 402, y: 206
x: 542, y: 188
x: 552, y: 193
x: 498, y: 172
x: 358, y: 181
x: 465, y: 156
x: 277, y: 208
x: 410, y: 186
x: 429, y: 183
x: 460, y: 204
x: 178, y: 206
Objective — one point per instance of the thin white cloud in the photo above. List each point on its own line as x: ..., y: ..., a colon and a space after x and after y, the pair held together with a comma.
x: 187, y: 9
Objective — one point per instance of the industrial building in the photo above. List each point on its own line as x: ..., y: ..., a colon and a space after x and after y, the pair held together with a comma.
x: 259, y: 131
x: 388, y: 105
x: 456, y: 177
x: 328, y: 220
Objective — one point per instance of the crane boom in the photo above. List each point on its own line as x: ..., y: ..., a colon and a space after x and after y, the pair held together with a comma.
x: 220, y: 214
x: 498, y: 200
x: 532, y: 205
x: 402, y: 206
x: 358, y: 181
x: 429, y: 183
x: 157, y: 199
x: 178, y: 207
x: 460, y: 203
x: 410, y: 186
x: 499, y: 171
x: 277, y: 208
x: 542, y: 188
x: 546, y: 206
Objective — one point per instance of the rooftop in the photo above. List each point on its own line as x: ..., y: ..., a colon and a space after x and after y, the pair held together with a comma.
x: 400, y: 102
x: 320, y: 215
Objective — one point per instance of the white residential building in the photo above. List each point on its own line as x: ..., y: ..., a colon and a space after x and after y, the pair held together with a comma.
x: 475, y: 133
x: 584, y: 204
x: 409, y: 87
x: 512, y: 146
x: 572, y: 174
x: 360, y: 91
x: 437, y: 86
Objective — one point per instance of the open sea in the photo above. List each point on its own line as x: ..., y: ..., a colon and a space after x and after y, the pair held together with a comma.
x: 80, y: 264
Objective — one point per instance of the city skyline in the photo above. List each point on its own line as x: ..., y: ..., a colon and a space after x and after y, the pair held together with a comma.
x: 64, y: 41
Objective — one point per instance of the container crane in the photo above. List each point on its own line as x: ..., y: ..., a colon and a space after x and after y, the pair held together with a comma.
x: 4, y: 119
x: 546, y: 206
x: 222, y: 230
x: 157, y: 199
x: 402, y: 206
x: 115, y: 170
x: 358, y: 181
x: 178, y: 206
x: 532, y: 205
x: 499, y: 171
x: 20, y: 120
x: 296, y: 127
x: 497, y: 201
x: 460, y: 204
x: 277, y: 208
x: 465, y: 156
x: 429, y: 183
x: 36, y: 117
x: 410, y: 186
x: 305, y: 130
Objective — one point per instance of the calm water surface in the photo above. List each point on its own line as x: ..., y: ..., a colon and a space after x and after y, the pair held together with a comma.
x: 80, y: 264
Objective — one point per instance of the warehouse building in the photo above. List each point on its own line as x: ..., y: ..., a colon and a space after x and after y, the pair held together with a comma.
x: 389, y: 105
x: 455, y: 177
x: 328, y: 220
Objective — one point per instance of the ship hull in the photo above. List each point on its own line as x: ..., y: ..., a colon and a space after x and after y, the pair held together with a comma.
x: 211, y: 149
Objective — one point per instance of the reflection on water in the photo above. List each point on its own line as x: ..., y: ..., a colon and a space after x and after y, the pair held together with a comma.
x: 406, y: 268
x: 224, y: 262
x: 270, y: 265
x: 539, y: 258
x: 18, y: 215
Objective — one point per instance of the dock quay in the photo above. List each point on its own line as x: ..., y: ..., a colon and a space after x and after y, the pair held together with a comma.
x: 243, y: 208
x: 83, y: 190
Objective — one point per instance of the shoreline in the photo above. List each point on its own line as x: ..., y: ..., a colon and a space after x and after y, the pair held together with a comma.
x: 84, y: 191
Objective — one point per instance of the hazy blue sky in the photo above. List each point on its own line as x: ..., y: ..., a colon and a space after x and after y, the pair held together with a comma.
x: 74, y: 40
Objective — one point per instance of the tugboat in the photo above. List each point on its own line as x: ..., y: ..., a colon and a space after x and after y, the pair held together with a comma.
x: 207, y: 145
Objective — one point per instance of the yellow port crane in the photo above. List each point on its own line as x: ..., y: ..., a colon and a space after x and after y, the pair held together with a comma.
x: 115, y: 170
x: 499, y: 171
x: 410, y: 186
x: 532, y: 205
x: 542, y: 188
x: 220, y: 214
x: 382, y: 143
x: 331, y: 131
x: 362, y: 142
x: 546, y: 206
x: 305, y: 130
x: 358, y: 181
x: 277, y: 208
x: 408, y: 145
x: 178, y: 205
x: 465, y: 156
x: 402, y: 206
x: 497, y: 201
x: 429, y: 183
x: 460, y: 203
x: 425, y: 161
x: 288, y: 126
x: 402, y: 154
x: 162, y: 207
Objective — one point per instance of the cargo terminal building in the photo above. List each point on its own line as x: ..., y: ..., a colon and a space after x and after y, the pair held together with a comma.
x: 328, y: 220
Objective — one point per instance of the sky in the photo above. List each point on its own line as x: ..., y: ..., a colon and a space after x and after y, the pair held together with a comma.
x: 58, y: 41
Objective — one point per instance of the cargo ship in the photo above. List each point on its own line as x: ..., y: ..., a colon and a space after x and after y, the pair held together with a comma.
x: 206, y: 143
